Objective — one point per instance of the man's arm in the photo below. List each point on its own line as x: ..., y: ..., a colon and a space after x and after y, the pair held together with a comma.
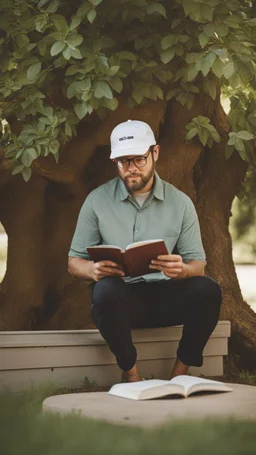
x: 80, y: 268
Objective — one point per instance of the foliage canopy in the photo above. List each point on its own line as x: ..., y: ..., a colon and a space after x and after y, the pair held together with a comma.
x: 62, y: 60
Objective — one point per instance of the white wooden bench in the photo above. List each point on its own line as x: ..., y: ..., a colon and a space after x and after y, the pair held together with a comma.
x: 67, y: 357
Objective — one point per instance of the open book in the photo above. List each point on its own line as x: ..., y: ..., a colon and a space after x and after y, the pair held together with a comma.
x: 136, y: 258
x: 155, y: 388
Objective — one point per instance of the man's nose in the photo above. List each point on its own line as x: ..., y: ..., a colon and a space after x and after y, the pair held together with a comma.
x: 132, y: 165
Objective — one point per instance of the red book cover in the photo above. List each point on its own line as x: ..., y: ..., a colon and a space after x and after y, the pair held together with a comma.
x: 135, y: 260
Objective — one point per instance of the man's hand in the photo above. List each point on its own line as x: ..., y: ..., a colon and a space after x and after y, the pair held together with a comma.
x: 102, y: 269
x: 171, y: 265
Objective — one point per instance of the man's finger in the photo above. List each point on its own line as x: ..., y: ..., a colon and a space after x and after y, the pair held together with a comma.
x: 110, y: 264
x: 169, y: 257
x: 170, y: 264
x: 110, y: 270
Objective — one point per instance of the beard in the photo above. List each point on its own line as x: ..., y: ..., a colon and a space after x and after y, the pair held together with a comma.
x: 138, y: 183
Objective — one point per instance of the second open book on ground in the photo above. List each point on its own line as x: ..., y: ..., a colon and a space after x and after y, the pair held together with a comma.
x: 182, y: 385
x: 135, y: 259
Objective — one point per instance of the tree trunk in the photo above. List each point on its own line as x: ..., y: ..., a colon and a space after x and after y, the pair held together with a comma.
x: 40, y: 217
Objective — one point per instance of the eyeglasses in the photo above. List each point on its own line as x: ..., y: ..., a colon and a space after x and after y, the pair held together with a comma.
x: 138, y: 161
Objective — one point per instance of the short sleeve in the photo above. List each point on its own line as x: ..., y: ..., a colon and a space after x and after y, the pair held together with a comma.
x: 189, y: 244
x: 86, y: 232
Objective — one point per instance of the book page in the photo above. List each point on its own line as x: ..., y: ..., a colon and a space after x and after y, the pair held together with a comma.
x: 193, y: 384
x: 144, y: 242
x: 144, y: 390
x: 107, y: 246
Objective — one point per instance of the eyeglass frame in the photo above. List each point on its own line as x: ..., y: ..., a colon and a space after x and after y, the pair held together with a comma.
x: 151, y: 150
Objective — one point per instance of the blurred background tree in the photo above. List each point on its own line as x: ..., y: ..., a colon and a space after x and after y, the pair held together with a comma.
x: 243, y: 221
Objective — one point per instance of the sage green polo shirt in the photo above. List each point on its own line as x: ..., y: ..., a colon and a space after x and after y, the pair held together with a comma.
x: 111, y: 216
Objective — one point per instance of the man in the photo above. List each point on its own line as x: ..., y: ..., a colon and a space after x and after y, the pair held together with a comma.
x: 137, y: 205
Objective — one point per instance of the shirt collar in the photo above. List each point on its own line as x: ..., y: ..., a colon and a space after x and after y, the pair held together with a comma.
x: 158, y: 189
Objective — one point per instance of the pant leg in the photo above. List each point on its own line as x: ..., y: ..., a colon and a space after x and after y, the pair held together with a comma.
x: 116, y: 307
x: 195, y: 303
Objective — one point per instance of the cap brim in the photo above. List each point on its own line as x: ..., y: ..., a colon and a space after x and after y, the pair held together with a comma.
x: 130, y: 152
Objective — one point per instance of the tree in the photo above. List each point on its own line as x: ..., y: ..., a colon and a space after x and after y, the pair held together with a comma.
x: 70, y: 71
x: 244, y: 216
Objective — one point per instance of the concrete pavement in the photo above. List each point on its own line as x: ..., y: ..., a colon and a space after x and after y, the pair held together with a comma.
x: 238, y: 404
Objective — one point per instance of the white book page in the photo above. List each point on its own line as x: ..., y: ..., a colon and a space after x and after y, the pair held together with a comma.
x: 142, y: 390
x: 106, y: 246
x: 192, y: 384
x: 145, y: 242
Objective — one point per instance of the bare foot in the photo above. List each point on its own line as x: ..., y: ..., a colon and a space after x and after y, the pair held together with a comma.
x: 132, y: 375
x: 179, y: 368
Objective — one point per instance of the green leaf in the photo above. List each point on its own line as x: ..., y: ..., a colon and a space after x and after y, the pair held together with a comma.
x: 83, y: 10
x: 218, y: 68
x: 40, y: 22
x: 57, y: 48
x: 76, y: 20
x: 203, y: 39
x: 21, y: 40
x: 53, y: 6
x: 205, y: 63
x: 73, y: 69
x: 67, y: 53
x: 171, y: 94
x: 191, y: 133
x: 91, y: 15
x: 167, y: 41
x: 203, y: 136
x: 167, y: 56
x: 245, y: 135
x: 156, y: 8
x: 214, y: 133
x: 28, y: 156
x: 112, y: 71
x: 110, y: 104
x: 222, y: 29
x: 56, y: 157
x: 75, y: 53
x: 95, y: 2
x: 233, y: 21
x: 207, y: 12
x: 33, y: 71
x: 137, y: 96
x: 80, y: 110
x: 54, y: 146
x: 228, y: 152
x: 26, y: 173
x: 228, y: 70
x: 42, y: 3
x: 60, y: 23
x: 68, y: 130
x: 209, y: 29
x: 192, y: 73
x: 210, y: 88
x: 116, y: 84
x: 102, y: 89
x: 17, y: 169
x: 189, y: 7
x: 126, y: 55
x: 74, y: 41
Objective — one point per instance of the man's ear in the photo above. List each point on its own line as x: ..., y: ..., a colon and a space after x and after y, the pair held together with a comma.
x: 156, y: 152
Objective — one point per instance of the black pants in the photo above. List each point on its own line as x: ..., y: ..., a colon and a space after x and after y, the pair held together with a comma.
x: 194, y: 302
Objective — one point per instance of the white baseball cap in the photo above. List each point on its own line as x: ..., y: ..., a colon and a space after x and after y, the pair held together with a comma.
x: 131, y: 138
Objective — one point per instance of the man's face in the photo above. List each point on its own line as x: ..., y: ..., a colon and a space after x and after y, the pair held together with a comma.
x: 138, y: 178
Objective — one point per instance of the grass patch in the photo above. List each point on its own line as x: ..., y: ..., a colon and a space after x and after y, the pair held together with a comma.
x: 24, y: 429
